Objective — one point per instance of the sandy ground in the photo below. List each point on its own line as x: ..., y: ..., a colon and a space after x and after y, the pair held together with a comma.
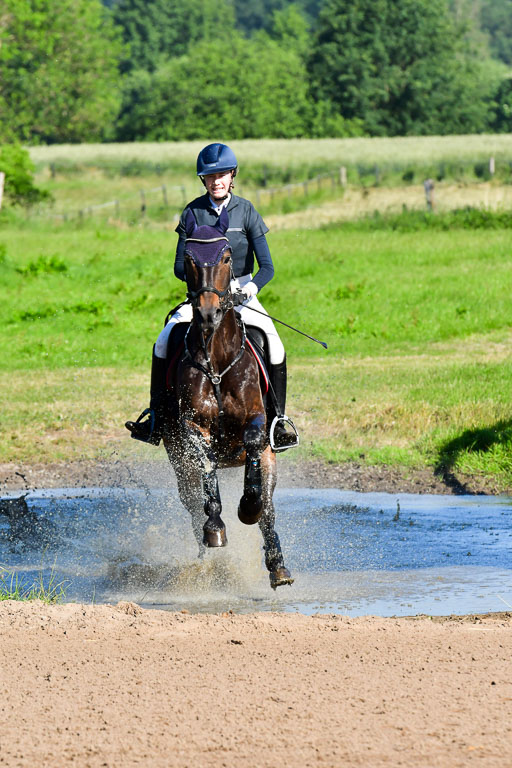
x: 121, y: 686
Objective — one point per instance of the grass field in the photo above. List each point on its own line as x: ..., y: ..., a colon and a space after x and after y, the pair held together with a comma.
x: 418, y: 323
x: 289, y: 153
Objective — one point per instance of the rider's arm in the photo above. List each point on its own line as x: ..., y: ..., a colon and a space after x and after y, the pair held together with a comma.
x: 179, y: 261
x: 265, y: 272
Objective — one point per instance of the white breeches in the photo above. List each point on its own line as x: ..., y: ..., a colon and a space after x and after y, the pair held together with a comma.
x: 184, y: 315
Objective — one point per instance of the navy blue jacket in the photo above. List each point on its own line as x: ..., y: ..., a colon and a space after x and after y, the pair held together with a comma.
x: 246, y: 235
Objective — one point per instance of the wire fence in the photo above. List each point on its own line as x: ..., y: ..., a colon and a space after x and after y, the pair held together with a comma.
x: 165, y: 202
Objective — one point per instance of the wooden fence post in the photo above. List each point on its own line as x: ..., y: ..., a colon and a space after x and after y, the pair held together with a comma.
x: 492, y: 166
x: 428, y: 186
x: 142, y: 202
x: 343, y: 176
x: 164, y: 195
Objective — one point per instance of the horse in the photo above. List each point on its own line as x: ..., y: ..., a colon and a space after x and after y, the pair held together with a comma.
x: 216, y: 416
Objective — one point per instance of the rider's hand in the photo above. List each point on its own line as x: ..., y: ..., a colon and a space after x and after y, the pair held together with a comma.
x: 241, y: 295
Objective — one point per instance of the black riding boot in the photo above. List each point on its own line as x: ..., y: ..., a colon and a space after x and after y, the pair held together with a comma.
x: 283, y: 438
x: 151, y: 430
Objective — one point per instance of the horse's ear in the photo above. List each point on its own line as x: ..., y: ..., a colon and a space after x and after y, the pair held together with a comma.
x: 190, y: 223
x: 223, y: 222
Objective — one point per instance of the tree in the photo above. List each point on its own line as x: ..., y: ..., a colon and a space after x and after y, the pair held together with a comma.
x: 496, y: 20
x: 400, y: 66
x: 157, y: 30
x: 258, y: 14
x: 58, y: 65
x: 501, y: 121
x: 260, y: 91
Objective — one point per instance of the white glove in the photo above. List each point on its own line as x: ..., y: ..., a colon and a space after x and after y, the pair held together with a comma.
x: 247, y: 291
x: 250, y: 289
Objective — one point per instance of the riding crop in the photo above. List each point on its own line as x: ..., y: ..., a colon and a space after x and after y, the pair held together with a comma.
x: 324, y: 345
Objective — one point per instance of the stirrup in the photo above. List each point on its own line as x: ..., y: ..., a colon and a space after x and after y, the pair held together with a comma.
x: 282, y: 420
x: 151, y: 437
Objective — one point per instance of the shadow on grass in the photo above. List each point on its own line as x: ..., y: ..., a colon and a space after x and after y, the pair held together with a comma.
x: 479, y: 440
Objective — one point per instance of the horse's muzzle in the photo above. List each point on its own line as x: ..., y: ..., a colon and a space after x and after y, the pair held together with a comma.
x: 210, y: 318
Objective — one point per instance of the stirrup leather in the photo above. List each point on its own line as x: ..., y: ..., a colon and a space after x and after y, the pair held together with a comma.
x: 282, y: 420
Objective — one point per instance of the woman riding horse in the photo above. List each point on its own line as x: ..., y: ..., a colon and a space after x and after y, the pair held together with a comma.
x: 217, y: 167
x: 214, y: 415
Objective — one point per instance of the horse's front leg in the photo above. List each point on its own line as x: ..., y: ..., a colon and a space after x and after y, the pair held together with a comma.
x: 278, y: 572
x: 214, y: 530
x: 189, y: 477
x: 250, y: 508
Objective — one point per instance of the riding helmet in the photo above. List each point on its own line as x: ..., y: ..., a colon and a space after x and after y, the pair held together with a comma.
x: 216, y: 158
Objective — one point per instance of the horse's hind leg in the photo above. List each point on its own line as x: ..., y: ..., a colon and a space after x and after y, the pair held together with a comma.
x: 278, y: 572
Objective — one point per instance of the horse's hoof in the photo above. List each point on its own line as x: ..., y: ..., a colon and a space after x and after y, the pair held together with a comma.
x: 214, y: 535
x: 249, y: 511
x: 279, y: 577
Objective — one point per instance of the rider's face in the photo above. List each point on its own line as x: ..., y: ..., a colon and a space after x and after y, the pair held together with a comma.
x: 218, y: 184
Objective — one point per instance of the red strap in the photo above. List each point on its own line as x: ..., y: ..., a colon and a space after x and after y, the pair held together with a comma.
x: 262, y: 368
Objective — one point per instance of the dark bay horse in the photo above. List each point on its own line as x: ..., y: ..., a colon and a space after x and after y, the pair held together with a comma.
x: 216, y: 416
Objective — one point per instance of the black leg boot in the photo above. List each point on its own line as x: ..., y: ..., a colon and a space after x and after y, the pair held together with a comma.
x: 282, y: 437
x: 151, y: 429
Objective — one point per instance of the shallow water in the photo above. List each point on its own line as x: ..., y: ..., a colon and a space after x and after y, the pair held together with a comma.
x: 350, y: 553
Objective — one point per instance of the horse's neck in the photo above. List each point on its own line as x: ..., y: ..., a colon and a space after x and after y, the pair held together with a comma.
x: 226, y: 339
x: 225, y: 343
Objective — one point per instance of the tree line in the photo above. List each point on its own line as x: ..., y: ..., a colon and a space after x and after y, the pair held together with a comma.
x: 151, y: 70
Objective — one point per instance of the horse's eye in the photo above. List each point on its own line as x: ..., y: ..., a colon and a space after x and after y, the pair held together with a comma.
x: 227, y: 259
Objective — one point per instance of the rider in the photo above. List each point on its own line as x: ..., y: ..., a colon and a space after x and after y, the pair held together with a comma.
x: 217, y: 167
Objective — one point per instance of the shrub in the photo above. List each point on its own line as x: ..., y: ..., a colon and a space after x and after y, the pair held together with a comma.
x: 19, y: 185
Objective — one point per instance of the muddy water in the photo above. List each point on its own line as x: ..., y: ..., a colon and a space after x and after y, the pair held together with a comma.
x: 350, y: 553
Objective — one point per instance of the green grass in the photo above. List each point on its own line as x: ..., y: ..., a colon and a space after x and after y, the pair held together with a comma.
x: 417, y: 318
x: 16, y: 587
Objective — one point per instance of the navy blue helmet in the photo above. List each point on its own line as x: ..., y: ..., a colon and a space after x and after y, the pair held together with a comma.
x: 216, y: 158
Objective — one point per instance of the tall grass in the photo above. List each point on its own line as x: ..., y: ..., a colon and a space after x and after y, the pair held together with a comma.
x: 289, y: 153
